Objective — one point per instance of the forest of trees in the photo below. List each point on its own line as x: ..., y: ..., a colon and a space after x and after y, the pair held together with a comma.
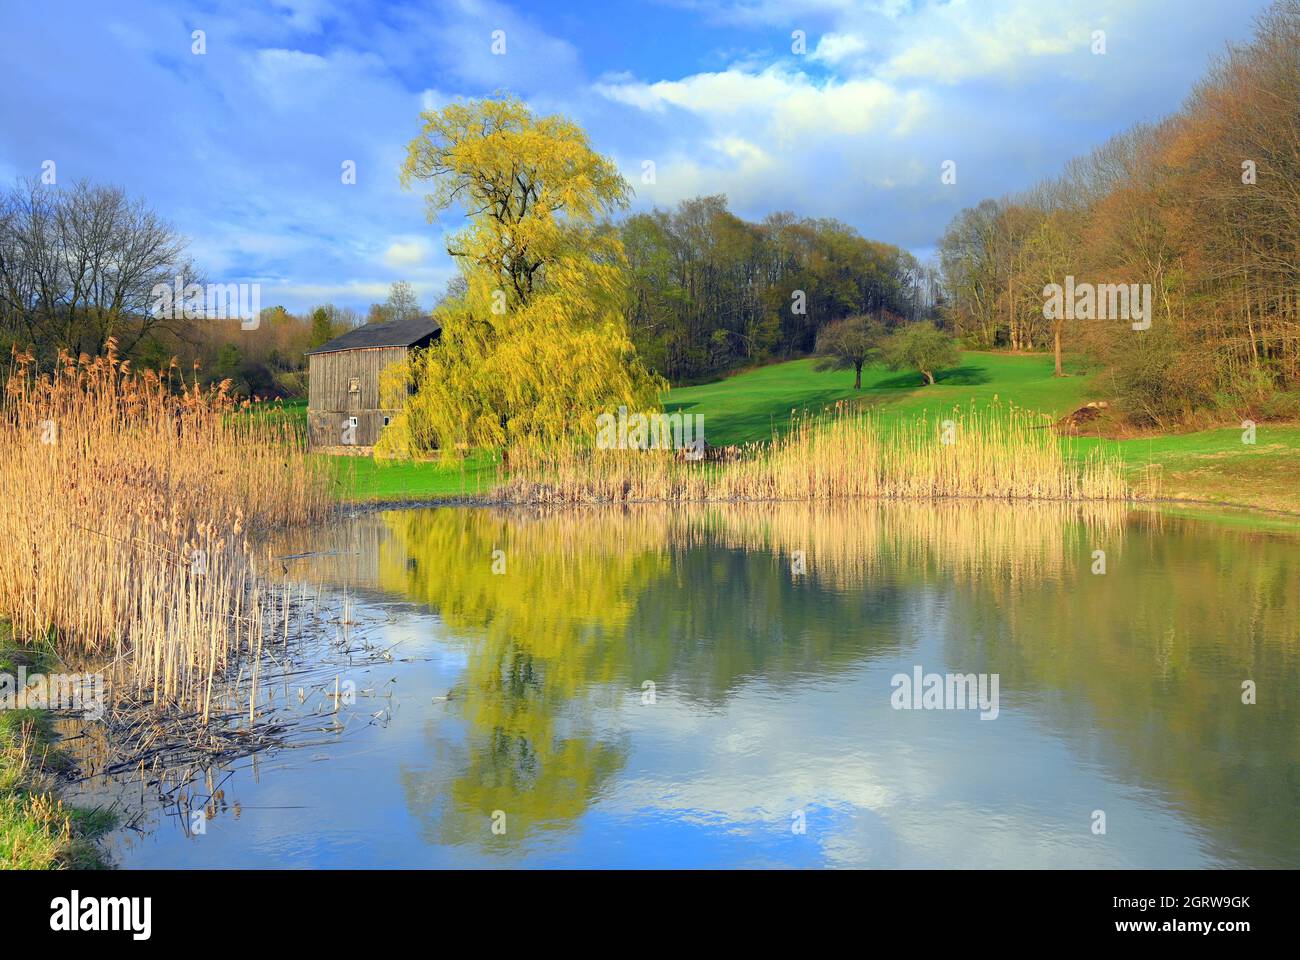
x: 710, y: 291
x: 706, y: 290
x: 1204, y: 207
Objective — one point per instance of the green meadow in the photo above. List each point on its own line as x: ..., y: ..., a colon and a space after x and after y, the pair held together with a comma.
x: 1206, y: 467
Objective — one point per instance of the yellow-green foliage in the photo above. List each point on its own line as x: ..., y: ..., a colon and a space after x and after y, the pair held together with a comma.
x: 538, y: 346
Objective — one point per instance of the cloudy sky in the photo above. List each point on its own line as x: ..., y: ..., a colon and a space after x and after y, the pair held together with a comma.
x: 242, y: 147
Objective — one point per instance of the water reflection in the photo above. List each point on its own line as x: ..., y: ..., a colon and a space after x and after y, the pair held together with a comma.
x: 656, y: 686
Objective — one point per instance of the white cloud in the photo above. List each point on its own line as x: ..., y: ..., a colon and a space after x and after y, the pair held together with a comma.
x: 407, y: 252
x: 835, y: 48
x: 354, y: 291
x: 257, y: 129
x: 961, y: 40
x: 777, y: 104
x: 776, y: 138
x: 858, y: 128
x: 350, y: 290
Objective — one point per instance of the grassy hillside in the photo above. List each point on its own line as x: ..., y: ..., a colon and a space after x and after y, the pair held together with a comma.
x: 1207, y: 465
x: 750, y: 406
x: 1211, y: 465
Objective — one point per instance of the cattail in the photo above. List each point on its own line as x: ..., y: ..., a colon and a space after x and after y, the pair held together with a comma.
x: 130, y: 537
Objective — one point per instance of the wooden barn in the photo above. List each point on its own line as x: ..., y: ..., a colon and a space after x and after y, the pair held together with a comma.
x: 343, y: 406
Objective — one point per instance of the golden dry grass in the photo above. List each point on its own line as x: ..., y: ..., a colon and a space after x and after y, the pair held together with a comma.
x: 994, y: 451
x: 129, y: 502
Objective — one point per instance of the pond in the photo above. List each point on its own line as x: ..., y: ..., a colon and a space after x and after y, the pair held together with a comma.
x: 732, y: 686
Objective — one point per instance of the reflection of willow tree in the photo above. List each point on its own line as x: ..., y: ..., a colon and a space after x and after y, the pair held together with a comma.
x: 542, y: 649
x: 1151, y: 658
x: 594, y: 602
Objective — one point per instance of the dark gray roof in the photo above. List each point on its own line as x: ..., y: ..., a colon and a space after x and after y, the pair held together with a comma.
x: 397, y: 333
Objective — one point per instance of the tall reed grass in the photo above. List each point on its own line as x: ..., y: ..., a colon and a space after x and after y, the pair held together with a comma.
x: 129, y: 500
x: 994, y: 451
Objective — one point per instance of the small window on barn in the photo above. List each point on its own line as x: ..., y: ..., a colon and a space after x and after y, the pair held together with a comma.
x: 386, y: 419
x: 354, y: 384
x: 352, y: 420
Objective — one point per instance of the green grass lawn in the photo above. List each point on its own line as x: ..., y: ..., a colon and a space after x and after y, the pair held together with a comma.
x: 1209, y: 465
x: 1214, y: 466
x: 751, y: 405
x: 363, y: 479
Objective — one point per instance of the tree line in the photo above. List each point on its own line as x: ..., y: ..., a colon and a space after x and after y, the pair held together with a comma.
x: 709, y: 291
x: 1203, y: 206
x: 702, y: 290
x: 79, y: 267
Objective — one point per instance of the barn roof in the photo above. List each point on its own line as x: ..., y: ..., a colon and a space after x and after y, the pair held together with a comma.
x: 396, y: 333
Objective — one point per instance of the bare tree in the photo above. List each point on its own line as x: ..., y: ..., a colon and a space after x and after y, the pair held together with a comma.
x: 78, y: 267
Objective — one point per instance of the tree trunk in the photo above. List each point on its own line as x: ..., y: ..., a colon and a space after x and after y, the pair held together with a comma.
x: 1058, y: 351
x: 929, y: 377
x: 857, y: 380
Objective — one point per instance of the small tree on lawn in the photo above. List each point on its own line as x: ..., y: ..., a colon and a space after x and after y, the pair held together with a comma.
x: 921, y: 347
x: 851, y: 342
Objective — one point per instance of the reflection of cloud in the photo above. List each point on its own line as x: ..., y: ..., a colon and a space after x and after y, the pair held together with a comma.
x: 885, y: 788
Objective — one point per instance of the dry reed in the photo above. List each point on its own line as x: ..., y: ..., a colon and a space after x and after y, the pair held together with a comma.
x: 991, y: 451
x: 129, y: 499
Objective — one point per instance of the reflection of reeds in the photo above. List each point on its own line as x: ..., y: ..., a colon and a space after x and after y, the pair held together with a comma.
x: 846, y: 545
x: 128, y: 502
x: 586, y: 565
x: 989, y: 451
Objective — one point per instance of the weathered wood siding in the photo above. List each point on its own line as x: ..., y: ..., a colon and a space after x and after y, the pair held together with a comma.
x: 345, y: 384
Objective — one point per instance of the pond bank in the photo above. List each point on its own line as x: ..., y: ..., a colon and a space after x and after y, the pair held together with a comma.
x: 38, y: 831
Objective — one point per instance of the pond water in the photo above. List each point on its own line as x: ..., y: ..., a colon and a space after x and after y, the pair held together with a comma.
x: 718, y: 687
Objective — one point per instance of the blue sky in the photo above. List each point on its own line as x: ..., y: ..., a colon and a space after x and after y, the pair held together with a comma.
x: 241, y: 147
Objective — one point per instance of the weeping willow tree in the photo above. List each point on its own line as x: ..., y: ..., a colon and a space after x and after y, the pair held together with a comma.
x: 537, y: 345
